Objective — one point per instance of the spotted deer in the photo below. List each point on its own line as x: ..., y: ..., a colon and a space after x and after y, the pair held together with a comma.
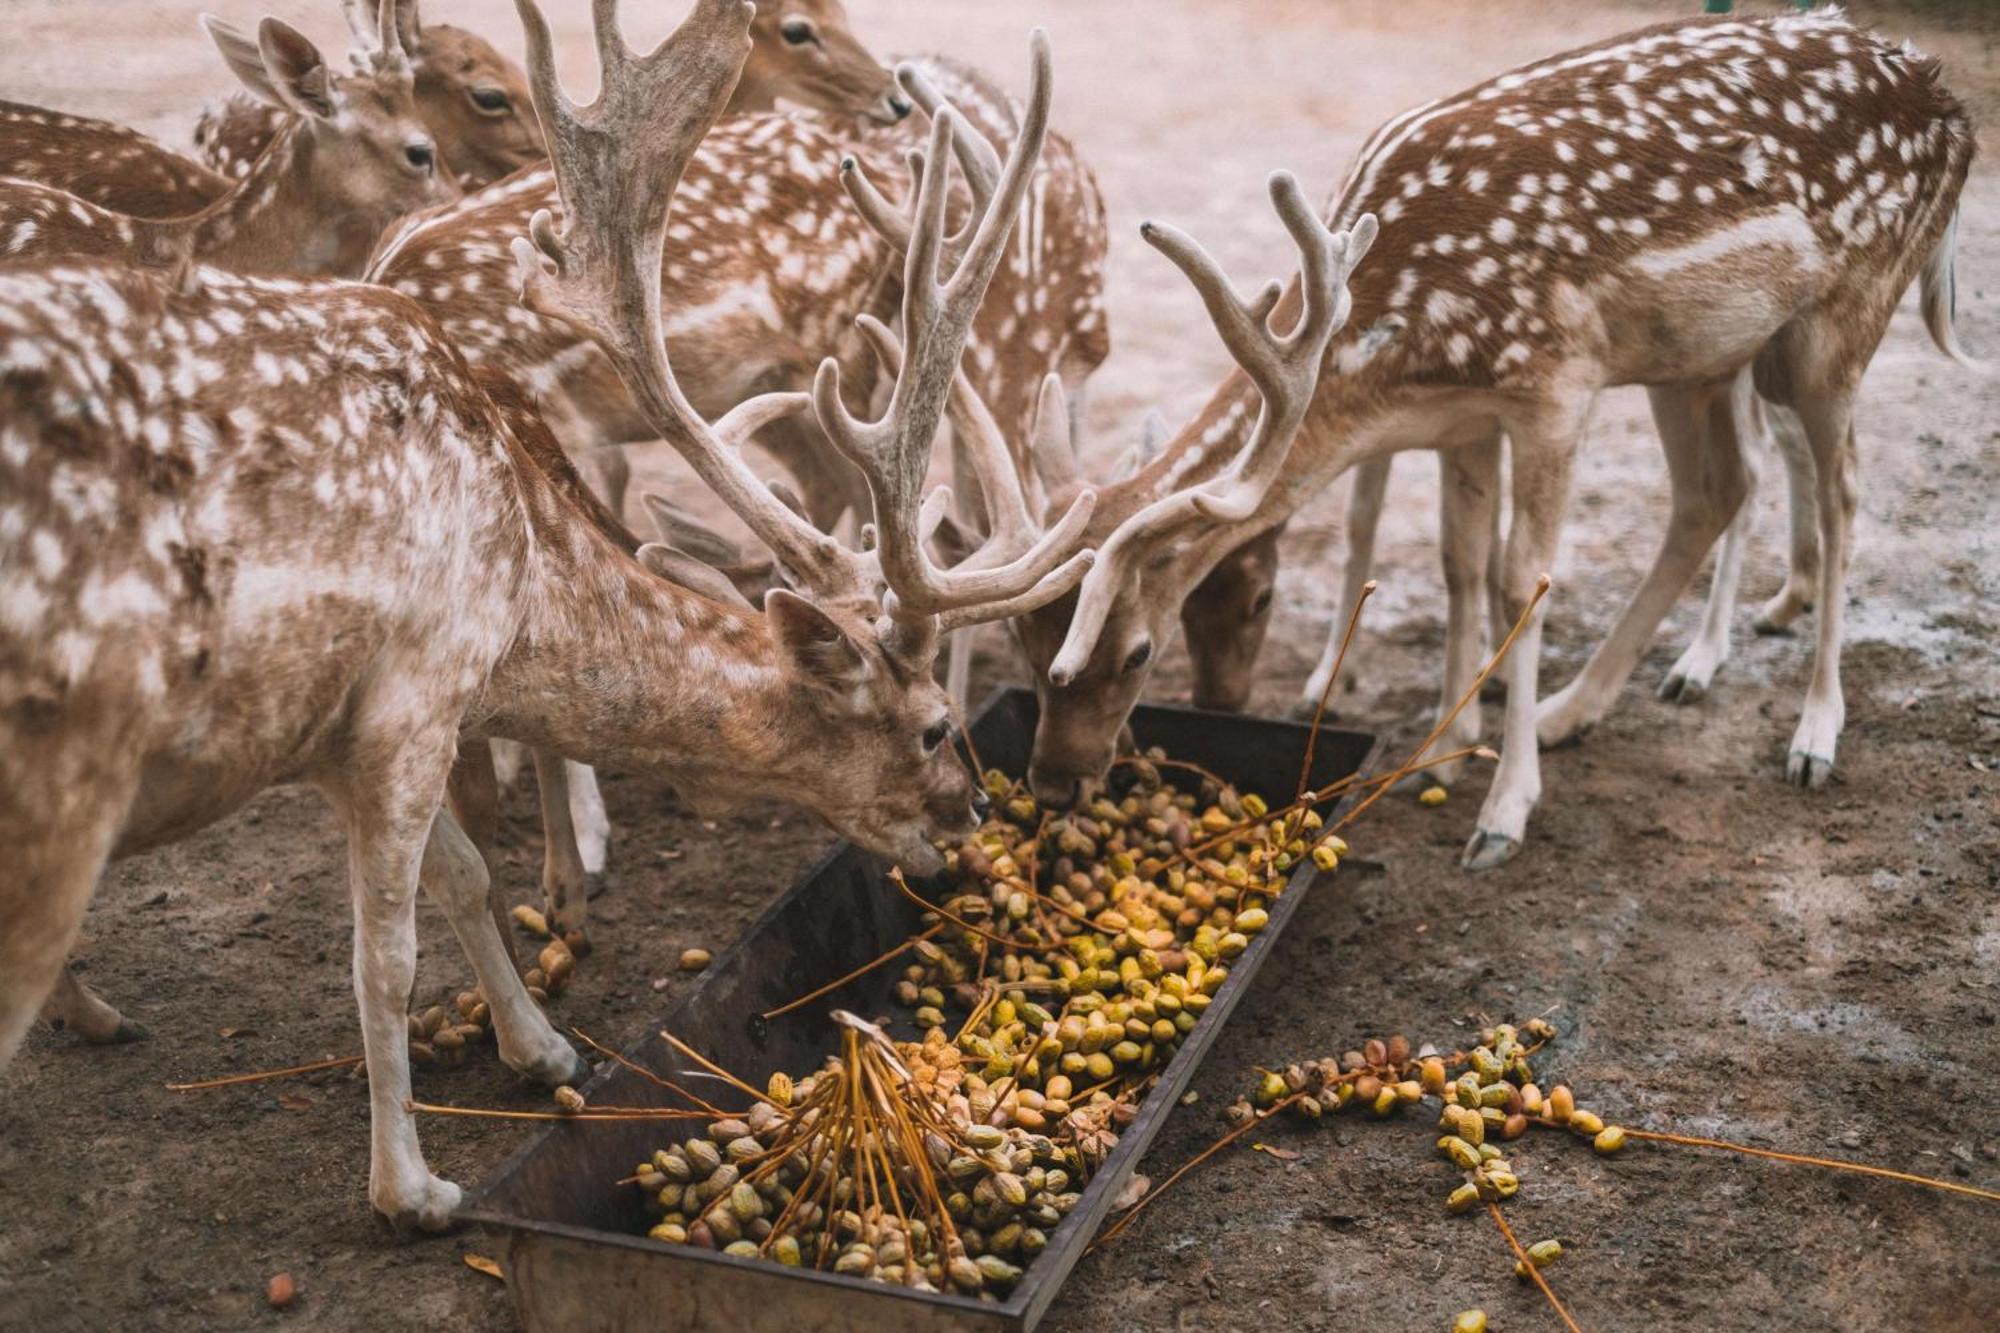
x: 767, y: 256
x: 349, y: 156
x: 475, y: 100
x: 472, y: 100
x: 1696, y: 207
x: 203, y: 595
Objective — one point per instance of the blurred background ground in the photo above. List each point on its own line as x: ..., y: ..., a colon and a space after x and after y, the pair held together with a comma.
x: 1725, y: 956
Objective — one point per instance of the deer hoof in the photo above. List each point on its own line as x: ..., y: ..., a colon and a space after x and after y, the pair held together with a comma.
x: 1683, y: 689
x: 431, y: 1215
x: 127, y: 1031
x: 1488, y: 850
x: 1808, y: 771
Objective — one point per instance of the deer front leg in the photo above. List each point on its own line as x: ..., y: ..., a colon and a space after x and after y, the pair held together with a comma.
x: 454, y: 875
x: 1698, y: 436
x: 589, y: 817
x: 1542, y: 459
x: 1468, y: 502
x: 1364, y: 517
x: 1802, y: 577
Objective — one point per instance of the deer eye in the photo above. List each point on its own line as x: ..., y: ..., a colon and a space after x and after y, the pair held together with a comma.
x: 1138, y: 657
x: 936, y: 734
x: 797, y: 31
x: 1262, y: 604
x: 493, y: 100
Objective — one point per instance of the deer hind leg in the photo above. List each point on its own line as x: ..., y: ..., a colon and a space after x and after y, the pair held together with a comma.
x: 59, y: 816
x: 79, y: 1009
x: 1544, y: 449
x: 1828, y: 419
x: 455, y: 877
x: 1801, y: 478
x: 473, y: 791
x: 564, y: 882
x: 1468, y: 500
x: 589, y: 817
x: 1364, y: 517
x: 1693, y: 673
x: 1697, y: 428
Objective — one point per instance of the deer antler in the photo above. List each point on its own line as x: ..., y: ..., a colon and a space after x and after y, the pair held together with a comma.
x: 1284, y: 367
x: 618, y: 163
x: 894, y: 452
x: 380, y: 29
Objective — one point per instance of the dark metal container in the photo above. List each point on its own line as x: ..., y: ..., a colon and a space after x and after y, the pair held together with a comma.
x: 575, y: 1252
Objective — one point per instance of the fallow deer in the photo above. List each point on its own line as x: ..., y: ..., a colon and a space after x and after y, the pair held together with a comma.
x: 203, y: 596
x: 1686, y: 207
x: 350, y: 156
x: 473, y: 100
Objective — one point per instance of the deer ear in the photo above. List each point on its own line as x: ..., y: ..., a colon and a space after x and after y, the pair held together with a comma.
x: 280, y: 66
x: 813, y: 644
x: 689, y: 572
x: 678, y: 527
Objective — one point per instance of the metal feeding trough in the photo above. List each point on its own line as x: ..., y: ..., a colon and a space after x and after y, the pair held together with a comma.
x: 576, y: 1254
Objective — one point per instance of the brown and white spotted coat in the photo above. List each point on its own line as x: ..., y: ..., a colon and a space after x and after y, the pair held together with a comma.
x: 348, y: 157
x: 104, y: 164
x: 1673, y: 208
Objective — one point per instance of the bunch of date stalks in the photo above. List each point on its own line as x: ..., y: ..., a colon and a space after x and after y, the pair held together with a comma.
x: 1064, y: 962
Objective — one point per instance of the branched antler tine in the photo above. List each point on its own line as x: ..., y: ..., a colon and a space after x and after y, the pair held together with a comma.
x: 977, y: 158
x: 618, y: 163
x: 1049, y: 436
x: 612, y: 53
x: 389, y: 38
x: 882, y: 217
x: 967, y: 286
x: 1052, y: 585
x: 1239, y: 322
x: 742, y: 422
x: 936, y: 505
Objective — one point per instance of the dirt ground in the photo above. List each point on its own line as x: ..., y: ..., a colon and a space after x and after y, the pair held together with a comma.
x: 1724, y: 955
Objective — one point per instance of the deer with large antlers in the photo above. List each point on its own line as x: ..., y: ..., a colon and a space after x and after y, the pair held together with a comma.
x: 203, y: 594
x: 1687, y: 207
x: 349, y: 156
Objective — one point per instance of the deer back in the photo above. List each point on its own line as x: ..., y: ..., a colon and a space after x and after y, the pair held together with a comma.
x: 102, y: 163
x: 765, y: 266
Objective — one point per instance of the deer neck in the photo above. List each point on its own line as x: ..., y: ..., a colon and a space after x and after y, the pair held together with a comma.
x: 264, y: 223
x: 612, y: 664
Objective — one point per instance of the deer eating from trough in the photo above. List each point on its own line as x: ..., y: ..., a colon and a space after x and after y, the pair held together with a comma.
x: 261, y: 530
x: 1691, y: 207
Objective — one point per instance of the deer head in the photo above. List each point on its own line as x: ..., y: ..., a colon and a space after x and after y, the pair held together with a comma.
x: 372, y: 159
x: 805, y: 52
x: 1092, y: 654
x: 859, y: 637
x: 474, y: 100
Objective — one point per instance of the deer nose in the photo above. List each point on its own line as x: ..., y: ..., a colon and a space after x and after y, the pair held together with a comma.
x: 981, y: 801
x: 899, y: 105
x: 1054, y: 792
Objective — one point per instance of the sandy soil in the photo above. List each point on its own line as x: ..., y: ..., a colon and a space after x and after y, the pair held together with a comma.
x: 1726, y: 956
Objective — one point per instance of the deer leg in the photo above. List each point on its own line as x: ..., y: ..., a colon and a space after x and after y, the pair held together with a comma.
x: 474, y: 793
x: 59, y: 815
x: 1469, y: 490
x: 508, y: 757
x: 592, y: 820
x: 563, y: 877
x: 1828, y: 418
x: 1543, y: 452
x: 1689, y: 680
x: 78, y: 1008
x: 1364, y: 516
x: 454, y: 876
x: 1697, y: 429
x: 388, y: 823
x: 1801, y: 479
